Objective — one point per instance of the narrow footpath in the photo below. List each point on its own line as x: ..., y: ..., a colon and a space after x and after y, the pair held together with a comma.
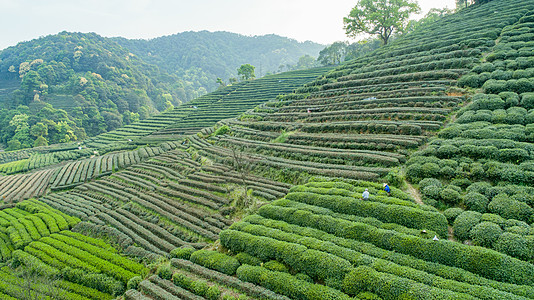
x: 417, y: 197
x: 415, y: 193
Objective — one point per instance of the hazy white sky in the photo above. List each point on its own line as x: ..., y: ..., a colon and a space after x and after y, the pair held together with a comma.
x: 318, y: 21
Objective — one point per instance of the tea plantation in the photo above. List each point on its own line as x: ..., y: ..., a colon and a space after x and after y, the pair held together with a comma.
x: 111, y: 198
x: 205, y: 111
x: 255, y: 191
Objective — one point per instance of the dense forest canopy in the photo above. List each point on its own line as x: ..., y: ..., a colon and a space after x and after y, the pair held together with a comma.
x: 203, y: 56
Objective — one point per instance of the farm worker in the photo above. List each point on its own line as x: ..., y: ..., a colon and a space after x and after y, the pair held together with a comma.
x: 365, y: 195
x: 309, y: 110
x: 387, y: 189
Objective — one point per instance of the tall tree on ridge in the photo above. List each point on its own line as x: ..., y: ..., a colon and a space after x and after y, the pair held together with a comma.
x: 246, y: 72
x: 379, y: 17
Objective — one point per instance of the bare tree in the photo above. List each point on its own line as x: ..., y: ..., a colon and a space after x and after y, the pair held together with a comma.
x: 243, y: 166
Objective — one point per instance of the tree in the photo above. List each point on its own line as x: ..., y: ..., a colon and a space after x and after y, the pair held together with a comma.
x: 333, y: 54
x: 166, y: 100
x: 244, y: 165
x: 30, y: 85
x: 220, y: 82
x: 113, y: 120
x: 432, y: 16
x: 361, y: 48
x: 40, y: 141
x: 61, y: 133
x: 129, y: 117
x: 20, y: 122
x: 306, y: 62
x: 14, y: 145
x: 246, y: 72
x: 232, y: 80
x: 39, y: 129
x: 379, y: 17
x: 168, y: 106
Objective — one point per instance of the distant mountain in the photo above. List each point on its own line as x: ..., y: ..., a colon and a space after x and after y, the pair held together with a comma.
x: 105, y: 83
x: 99, y: 83
x: 219, y: 54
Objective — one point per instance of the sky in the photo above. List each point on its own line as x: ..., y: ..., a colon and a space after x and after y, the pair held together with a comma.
x: 315, y: 20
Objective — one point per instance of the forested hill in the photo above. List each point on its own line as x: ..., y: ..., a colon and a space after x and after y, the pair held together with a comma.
x: 219, y: 54
x: 98, y: 83
x: 103, y: 84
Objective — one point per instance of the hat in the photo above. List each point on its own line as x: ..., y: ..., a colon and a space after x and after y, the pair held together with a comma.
x: 385, y: 184
x: 366, y: 190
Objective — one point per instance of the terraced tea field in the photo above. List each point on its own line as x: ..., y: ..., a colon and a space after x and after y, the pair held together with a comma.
x: 489, y: 148
x: 70, y: 174
x: 255, y: 191
x: 365, y: 117
x: 207, y: 110
x: 57, y: 262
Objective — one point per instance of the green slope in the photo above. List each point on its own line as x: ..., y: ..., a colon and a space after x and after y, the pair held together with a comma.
x: 482, y: 161
x: 104, y: 84
x: 207, y: 110
x: 407, y: 106
x: 364, y: 118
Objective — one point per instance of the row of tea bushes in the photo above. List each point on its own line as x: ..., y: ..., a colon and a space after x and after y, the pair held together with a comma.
x: 405, y: 88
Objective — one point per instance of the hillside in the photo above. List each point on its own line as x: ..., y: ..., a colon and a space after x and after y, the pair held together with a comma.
x: 166, y: 222
x: 103, y: 84
x: 219, y: 54
x: 99, y: 85
x: 207, y: 110
x: 254, y: 191
x: 376, y: 109
x: 169, y: 126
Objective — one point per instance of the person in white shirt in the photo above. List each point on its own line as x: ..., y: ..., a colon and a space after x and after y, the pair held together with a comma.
x: 365, y: 195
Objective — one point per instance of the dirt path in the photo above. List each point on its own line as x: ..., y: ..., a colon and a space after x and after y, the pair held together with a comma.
x: 453, y: 117
x: 450, y: 234
x: 415, y: 193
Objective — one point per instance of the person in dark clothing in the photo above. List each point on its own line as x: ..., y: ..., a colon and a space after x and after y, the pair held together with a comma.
x: 387, y: 189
